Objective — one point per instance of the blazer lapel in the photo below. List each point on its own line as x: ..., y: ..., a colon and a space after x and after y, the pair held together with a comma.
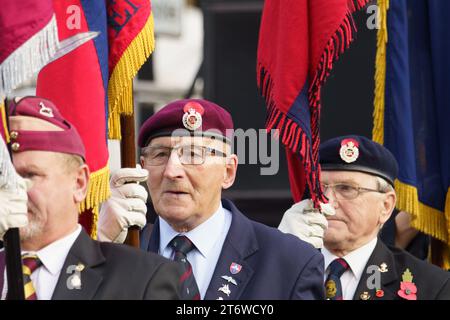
x: 233, y: 272
x: 79, y: 269
x: 384, y: 260
x: 153, y: 244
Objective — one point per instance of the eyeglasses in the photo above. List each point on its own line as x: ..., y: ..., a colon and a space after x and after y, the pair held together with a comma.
x: 346, y: 192
x: 188, y: 154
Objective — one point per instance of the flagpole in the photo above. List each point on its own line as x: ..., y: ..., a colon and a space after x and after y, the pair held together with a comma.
x: 128, y: 160
x: 11, y: 242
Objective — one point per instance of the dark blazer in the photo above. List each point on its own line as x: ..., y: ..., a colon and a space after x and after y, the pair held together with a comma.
x: 273, y: 265
x: 432, y: 283
x: 113, y: 271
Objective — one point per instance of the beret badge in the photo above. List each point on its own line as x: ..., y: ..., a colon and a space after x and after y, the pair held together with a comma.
x: 192, y: 118
x: 349, y: 151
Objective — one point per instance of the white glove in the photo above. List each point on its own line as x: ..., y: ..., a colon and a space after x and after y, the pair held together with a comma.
x: 13, y: 206
x: 126, y: 207
x: 306, y: 222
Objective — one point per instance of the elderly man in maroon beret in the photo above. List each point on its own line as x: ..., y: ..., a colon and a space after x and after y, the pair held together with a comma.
x: 60, y: 261
x: 186, y: 149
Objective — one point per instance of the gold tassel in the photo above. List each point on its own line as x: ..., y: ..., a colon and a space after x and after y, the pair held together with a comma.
x: 380, y: 73
x: 98, y: 191
x: 3, y: 123
x: 120, y: 89
x: 424, y: 218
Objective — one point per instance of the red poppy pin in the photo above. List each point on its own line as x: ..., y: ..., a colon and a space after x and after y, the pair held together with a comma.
x: 408, y: 289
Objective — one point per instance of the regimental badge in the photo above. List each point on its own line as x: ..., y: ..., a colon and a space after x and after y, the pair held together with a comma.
x: 330, y: 289
x: 225, y: 288
x: 192, y: 118
x: 235, y: 268
x: 349, y: 151
x: 365, y: 296
x: 383, y: 267
x: 45, y: 111
x: 229, y: 279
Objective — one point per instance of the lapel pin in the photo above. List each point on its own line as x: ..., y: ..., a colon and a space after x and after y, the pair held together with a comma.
x: 379, y: 293
x: 79, y: 267
x: 235, y: 268
x: 219, y: 298
x: 225, y: 289
x: 408, y: 289
x: 365, y: 295
x: 229, y: 279
x: 383, y: 267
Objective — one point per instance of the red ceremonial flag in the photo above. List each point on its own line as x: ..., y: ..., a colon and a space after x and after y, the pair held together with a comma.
x: 77, y: 84
x: 298, y: 43
x: 131, y: 41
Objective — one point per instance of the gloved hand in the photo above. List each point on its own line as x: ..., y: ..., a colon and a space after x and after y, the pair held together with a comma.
x: 126, y: 207
x: 13, y: 206
x: 306, y: 222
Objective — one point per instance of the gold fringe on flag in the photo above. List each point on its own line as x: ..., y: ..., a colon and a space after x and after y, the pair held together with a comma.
x: 3, y: 119
x: 380, y: 73
x: 425, y: 218
x: 120, y: 89
x: 98, y: 191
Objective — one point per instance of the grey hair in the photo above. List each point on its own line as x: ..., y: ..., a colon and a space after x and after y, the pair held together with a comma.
x: 384, y: 186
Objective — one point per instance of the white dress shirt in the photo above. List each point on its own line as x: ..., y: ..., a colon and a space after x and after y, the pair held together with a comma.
x: 52, y: 257
x: 357, y: 261
x: 208, y: 239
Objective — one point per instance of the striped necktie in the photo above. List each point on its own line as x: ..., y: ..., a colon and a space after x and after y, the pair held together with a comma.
x: 181, y: 245
x: 333, y: 286
x: 30, y: 263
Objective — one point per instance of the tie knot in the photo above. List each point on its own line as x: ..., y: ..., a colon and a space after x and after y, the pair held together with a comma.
x: 30, y: 262
x: 338, y: 267
x: 182, y: 244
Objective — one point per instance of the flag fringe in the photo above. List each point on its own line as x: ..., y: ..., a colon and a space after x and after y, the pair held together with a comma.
x: 291, y: 133
x: 29, y: 58
x: 98, y: 191
x: 3, y: 120
x: 424, y: 218
x: 380, y: 73
x: 120, y: 89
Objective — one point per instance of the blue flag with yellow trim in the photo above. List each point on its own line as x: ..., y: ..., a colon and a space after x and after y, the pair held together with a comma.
x: 412, y: 108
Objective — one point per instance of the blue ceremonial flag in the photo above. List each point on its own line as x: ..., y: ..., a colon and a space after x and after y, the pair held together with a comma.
x: 412, y: 108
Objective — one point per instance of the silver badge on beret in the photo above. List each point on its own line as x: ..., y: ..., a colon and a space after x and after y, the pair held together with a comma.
x: 192, y: 118
x: 349, y: 151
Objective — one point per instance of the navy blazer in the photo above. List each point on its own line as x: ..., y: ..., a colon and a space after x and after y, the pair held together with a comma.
x: 274, y: 265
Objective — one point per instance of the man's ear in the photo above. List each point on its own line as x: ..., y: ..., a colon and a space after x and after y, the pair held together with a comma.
x: 230, y: 171
x: 141, y: 158
x: 82, y: 182
x: 388, y: 206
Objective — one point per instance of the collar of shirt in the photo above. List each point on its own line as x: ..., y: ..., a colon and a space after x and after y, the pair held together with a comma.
x: 203, y: 236
x: 54, y: 255
x: 357, y: 259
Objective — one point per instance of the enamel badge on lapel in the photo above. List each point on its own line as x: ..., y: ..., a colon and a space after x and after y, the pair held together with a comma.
x: 225, y: 289
x: 192, y: 118
x: 379, y: 293
x: 229, y: 279
x: 365, y: 296
x: 408, y: 289
x: 349, y: 151
x: 383, y: 267
x: 235, y: 268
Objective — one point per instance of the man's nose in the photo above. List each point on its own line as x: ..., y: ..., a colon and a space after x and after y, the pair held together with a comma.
x: 174, y: 169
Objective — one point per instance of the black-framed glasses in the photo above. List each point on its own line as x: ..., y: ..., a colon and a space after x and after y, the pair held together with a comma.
x: 342, y: 191
x: 188, y: 154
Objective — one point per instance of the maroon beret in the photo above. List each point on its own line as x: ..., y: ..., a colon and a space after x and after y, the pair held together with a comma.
x: 188, y: 117
x: 25, y: 138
